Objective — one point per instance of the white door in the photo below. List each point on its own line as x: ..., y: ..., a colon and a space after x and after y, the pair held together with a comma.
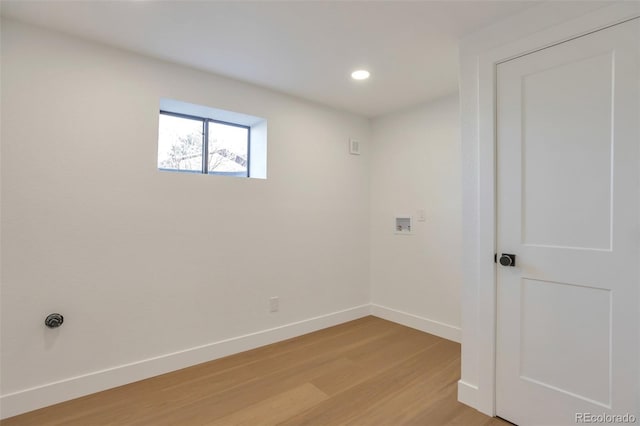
x: 568, y: 190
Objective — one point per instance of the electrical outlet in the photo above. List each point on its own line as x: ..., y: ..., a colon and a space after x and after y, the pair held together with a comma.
x: 354, y: 147
x: 274, y: 304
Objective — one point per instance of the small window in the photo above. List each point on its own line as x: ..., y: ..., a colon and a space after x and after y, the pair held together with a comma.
x: 228, y: 149
x: 202, y: 145
x: 200, y: 139
x: 180, y: 143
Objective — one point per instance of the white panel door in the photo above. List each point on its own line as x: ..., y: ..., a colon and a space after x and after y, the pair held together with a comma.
x: 568, y: 188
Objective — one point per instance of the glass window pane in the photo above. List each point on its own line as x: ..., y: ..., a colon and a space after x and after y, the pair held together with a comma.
x: 179, y: 143
x: 228, y: 149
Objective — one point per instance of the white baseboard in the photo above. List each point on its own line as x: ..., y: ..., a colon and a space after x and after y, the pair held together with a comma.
x: 52, y: 393
x: 437, y: 328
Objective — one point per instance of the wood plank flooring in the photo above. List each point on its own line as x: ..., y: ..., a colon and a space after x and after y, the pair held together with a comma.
x: 365, y: 372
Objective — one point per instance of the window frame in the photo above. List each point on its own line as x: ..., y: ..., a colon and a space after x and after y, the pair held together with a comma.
x: 205, y: 145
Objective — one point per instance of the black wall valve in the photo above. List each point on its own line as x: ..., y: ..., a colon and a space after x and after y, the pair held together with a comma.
x: 54, y: 320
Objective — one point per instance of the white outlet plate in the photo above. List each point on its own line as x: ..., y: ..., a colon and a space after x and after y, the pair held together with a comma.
x: 354, y: 147
x: 274, y: 304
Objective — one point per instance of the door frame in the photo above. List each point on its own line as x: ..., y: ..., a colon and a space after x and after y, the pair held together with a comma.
x: 533, y: 30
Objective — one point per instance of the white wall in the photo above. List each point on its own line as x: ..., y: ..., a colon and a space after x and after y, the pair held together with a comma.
x: 145, y: 263
x: 415, y: 164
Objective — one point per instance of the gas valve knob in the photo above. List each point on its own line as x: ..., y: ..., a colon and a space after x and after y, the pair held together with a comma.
x: 54, y: 320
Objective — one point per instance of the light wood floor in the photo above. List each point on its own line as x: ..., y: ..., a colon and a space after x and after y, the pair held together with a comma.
x: 365, y: 372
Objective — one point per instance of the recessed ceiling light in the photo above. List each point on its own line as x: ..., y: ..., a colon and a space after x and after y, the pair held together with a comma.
x: 360, y: 75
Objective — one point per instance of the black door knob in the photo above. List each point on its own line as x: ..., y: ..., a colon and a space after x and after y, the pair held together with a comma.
x: 508, y: 259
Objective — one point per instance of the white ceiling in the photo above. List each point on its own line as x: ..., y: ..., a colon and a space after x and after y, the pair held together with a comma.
x: 304, y: 48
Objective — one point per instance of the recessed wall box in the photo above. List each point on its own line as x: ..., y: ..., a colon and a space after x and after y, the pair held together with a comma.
x: 403, y: 225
